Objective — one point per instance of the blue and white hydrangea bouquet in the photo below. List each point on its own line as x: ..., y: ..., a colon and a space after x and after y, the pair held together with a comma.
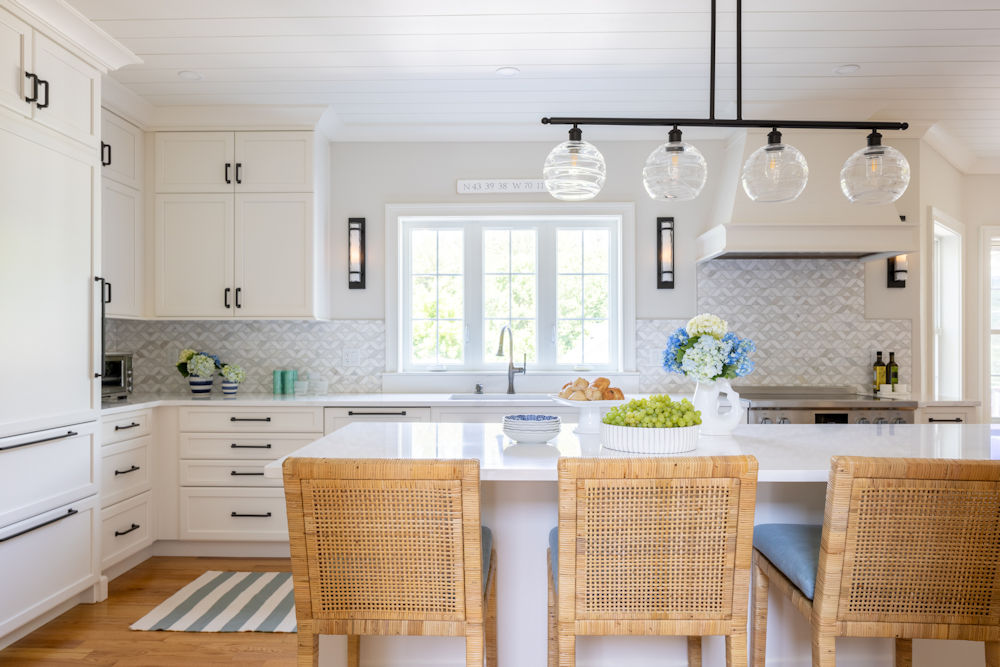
x: 199, y: 364
x: 706, y: 350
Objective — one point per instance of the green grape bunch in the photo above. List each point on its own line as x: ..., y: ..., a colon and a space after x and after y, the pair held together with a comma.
x: 654, y: 412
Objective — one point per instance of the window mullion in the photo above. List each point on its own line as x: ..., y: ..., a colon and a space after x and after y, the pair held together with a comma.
x: 474, y: 266
x: 546, y: 275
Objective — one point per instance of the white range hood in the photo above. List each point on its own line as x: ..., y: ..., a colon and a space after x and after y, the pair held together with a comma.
x: 821, y: 223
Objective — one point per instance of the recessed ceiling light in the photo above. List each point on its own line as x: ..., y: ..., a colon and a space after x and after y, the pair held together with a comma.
x: 190, y: 75
x: 846, y: 69
x: 508, y: 70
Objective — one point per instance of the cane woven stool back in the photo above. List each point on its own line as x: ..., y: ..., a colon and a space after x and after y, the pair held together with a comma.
x: 655, y: 546
x: 382, y: 547
x: 910, y: 548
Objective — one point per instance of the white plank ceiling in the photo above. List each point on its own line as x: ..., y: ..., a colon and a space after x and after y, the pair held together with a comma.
x: 427, y: 68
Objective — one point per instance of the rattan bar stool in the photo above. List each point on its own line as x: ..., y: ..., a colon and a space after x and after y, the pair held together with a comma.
x: 383, y: 547
x: 909, y: 548
x: 655, y: 546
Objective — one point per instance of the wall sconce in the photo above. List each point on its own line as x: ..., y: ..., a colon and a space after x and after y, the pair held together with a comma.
x: 897, y: 268
x: 356, y: 253
x: 664, y: 253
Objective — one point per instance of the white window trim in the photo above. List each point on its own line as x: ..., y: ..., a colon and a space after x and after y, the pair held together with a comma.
x: 987, y: 235
x: 939, y: 217
x: 394, y: 213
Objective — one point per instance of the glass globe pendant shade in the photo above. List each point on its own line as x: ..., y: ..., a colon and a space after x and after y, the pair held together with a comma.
x: 775, y: 172
x: 676, y: 170
x: 876, y: 174
x: 574, y: 170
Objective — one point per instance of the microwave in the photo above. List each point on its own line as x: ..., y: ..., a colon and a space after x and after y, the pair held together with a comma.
x: 116, y: 381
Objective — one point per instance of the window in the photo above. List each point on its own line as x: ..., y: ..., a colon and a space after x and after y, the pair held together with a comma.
x: 994, y: 331
x: 553, y: 280
x: 946, y: 291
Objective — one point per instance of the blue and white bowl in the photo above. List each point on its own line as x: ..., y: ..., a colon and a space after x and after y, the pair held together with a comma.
x: 531, y: 428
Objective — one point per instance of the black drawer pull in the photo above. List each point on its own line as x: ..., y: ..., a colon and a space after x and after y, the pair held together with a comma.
x: 233, y: 473
x: 135, y: 526
x: 33, y: 97
x: 105, y: 154
x: 125, y: 428
x: 125, y: 472
x: 249, y: 419
x: 956, y: 420
x: 44, y: 84
x: 69, y: 513
x: 229, y: 166
x: 251, y: 516
x: 235, y: 446
x: 401, y: 413
x: 69, y: 434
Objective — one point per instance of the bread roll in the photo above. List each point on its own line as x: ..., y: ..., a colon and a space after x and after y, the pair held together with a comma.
x: 578, y: 396
x: 601, y: 383
x: 566, y: 393
x: 608, y: 394
x: 567, y: 385
x: 580, y: 384
x: 617, y: 394
x: 593, y: 394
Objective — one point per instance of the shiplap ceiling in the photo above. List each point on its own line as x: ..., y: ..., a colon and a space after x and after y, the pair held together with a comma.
x: 422, y: 68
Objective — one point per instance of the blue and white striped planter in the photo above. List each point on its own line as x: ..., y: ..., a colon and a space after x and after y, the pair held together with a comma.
x: 229, y: 388
x: 200, y: 385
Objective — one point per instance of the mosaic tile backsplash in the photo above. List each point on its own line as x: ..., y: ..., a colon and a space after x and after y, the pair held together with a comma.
x: 323, y: 349
x: 807, y: 318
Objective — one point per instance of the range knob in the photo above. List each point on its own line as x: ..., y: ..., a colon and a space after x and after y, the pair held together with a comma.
x: 765, y: 420
x: 862, y: 420
x: 898, y: 420
x: 784, y: 420
x: 881, y: 420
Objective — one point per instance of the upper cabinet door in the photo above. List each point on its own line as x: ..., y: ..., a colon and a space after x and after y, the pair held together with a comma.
x: 274, y: 255
x: 193, y: 274
x: 274, y: 162
x: 121, y: 254
x: 15, y: 60
x: 123, y: 150
x: 69, y: 92
x: 195, y: 162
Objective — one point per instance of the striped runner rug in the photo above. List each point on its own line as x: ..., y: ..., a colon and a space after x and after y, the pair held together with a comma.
x: 227, y: 602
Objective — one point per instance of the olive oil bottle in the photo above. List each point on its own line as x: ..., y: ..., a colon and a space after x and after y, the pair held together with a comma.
x: 892, y: 371
x: 878, y: 372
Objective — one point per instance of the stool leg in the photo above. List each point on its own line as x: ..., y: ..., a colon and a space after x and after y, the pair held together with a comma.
x: 553, y: 634
x: 904, y: 653
x: 353, y: 651
x: 308, y: 645
x: 567, y: 648
x: 694, y: 651
x: 824, y: 649
x: 758, y: 622
x: 992, y: 654
x: 736, y: 650
x: 491, y: 613
x: 474, y: 645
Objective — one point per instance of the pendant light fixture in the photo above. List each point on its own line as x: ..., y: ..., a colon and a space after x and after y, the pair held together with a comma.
x: 777, y: 172
x: 876, y: 174
x: 574, y: 170
x: 676, y: 170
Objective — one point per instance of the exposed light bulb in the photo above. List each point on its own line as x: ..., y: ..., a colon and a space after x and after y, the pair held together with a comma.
x: 676, y: 170
x: 776, y: 172
x: 875, y: 174
x: 574, y: 170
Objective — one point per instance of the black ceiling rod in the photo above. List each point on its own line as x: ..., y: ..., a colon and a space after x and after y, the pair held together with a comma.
x: 732, y: 122
x: 739, y: 59
x: 711, y: 69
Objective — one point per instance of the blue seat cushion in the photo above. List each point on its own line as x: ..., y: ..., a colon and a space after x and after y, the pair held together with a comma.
x: 793, y: 548
x: 487, y: 540
x: 554, y: 546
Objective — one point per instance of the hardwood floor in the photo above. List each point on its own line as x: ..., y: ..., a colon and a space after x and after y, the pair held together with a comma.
x: 98, y: 634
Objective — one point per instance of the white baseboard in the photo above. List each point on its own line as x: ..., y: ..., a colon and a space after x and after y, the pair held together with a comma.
x: 33, y: 625
x: 124, y: 565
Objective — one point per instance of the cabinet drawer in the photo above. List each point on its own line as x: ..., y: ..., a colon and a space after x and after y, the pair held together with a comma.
x: 46, y: 469
x: 45, y: 564
x: 252, y: 420
x: 243, y: 446
x: 225, y: 473
x: 336, y: 418
x: 126, y: 426
x: 125, y: 470
x: 126, y: 528
x: 233, y: 514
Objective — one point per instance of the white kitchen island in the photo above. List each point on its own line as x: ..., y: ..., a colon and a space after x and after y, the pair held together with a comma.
x: 519, y: 504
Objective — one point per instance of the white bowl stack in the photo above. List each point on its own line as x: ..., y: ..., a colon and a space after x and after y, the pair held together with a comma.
x: 531, y: 428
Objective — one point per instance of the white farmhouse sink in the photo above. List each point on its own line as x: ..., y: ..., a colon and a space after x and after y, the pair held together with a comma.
x: 500, y: 397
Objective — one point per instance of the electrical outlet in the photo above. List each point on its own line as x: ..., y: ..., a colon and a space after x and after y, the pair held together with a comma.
x: 352, y: 357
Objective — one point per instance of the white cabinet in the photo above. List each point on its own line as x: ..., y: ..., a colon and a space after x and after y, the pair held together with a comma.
x: 69, y: 91
x: 335, y: 418
x: 126, y: 481
x: 192, y: 162
x: 15, y: 60
x: 495, y: 415
x: 122, y: 150
x: 121, y: 249
x: 126, y: 528
x: 946, y: 415
x: 48, y: 295
x: 193, y: 262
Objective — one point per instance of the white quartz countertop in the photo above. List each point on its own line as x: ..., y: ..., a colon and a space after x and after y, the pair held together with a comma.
x: 786, y: 453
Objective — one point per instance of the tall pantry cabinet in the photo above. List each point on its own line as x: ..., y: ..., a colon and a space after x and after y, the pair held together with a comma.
x: 49, y: 327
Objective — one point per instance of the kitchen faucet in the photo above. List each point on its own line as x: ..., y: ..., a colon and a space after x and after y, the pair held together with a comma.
x: 512, y: 370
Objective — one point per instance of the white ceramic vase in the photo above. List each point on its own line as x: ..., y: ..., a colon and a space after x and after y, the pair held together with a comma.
x: 200, y: 386
x: 716, y: 420
x: 229, y: 388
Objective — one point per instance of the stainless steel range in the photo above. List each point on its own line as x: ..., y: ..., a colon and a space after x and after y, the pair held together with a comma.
x: 823, y: 405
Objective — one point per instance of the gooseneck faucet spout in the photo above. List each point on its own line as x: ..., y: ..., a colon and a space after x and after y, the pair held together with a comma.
x: 512, y: 370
